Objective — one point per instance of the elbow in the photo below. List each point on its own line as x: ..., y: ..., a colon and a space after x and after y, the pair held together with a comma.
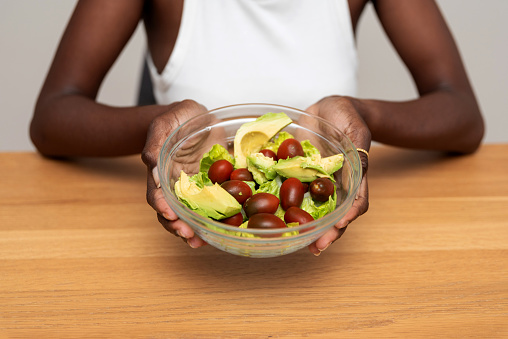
x: 473, y: 133
x: 40, y: 135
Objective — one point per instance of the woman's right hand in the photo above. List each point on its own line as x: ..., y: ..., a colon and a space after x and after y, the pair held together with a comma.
x: 160, y: 128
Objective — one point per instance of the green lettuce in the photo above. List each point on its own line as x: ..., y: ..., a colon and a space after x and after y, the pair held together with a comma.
x: 272, y: 187
x: 319, y: 209
x: 217, y: 152
x: 201, y: 179
x: 309, y: 149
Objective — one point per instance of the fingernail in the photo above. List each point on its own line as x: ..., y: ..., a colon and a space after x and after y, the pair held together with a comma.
x: 343, y: 224
x: 317, y: 254
x: 155, y: 174
x: 190, y: 243
x: 183, y: 234
x: 322, y: 249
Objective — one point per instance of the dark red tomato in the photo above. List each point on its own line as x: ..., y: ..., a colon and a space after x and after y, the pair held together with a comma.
x: 321, y: 189
x: 261, y: 203
x: 290, y: 148
x: 269, y: 153
x: 235, y: 220
x: 291, y: 193
x: 296, y: 214
x: 242, y: 174
x: 266, y: 221
x: 220, y: 171
x: 305, y: 186
x: 238, y: 189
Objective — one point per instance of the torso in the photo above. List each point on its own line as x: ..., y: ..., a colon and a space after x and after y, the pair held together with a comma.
x: 162, y: 21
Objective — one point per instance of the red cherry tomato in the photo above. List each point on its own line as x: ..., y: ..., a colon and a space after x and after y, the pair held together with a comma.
x: 238, y: 189
x: 290, y: 148
x: 235, y: 220
x: 296, y: 214
x: 266, y: 221
x: 291, y: 193
x: 242, y: 174
x: 269, y: 153
x: 261, y: 203
x: 220, y: 171
x: 321, y: 189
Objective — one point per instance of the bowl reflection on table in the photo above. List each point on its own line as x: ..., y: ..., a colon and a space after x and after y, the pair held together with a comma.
x: 184, y: 148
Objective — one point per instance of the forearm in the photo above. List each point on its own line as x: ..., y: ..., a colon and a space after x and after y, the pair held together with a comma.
x: 74, y: 125
x: 441, y: 120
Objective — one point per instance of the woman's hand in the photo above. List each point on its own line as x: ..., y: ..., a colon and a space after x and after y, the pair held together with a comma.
x: 342, y: 113
x: 160, y: 128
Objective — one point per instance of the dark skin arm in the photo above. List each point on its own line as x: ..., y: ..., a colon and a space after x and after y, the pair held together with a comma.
x: 67, y: 119
x: 446, y: 116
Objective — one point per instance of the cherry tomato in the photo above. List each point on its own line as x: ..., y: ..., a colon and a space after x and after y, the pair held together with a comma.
x: 220, y: 171
x: 238, y: 189
x: 235, y: 220
x: 266, y: 221
x: 321, y: 189
x: 291, y: 193
x: 296, y: 214
x: 242, y: 174
x: 261, y: 203
x: 290, y: 148
x: 269, y: 153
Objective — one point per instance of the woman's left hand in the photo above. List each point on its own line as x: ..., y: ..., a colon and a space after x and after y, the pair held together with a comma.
x: 343, y: 113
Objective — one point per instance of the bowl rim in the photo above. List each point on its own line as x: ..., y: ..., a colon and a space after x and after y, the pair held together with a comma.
x: 317, y: 224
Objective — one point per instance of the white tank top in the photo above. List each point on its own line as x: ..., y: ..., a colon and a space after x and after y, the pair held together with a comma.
x: 286, y: 52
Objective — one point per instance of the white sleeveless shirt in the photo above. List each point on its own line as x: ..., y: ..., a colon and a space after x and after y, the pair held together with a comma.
x: 286, y: 52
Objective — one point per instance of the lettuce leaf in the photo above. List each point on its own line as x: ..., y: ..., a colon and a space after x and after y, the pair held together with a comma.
x: 309, y: 149
x: 201, y: 179
x: 319, y: 209
x: 272, y: 187
x: 217, y: 152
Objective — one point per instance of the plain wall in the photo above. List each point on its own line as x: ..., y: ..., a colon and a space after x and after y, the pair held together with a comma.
x: 30, y: 31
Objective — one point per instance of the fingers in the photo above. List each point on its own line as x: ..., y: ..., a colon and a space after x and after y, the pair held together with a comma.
x: 160, y: 128
x: 155, y: 197
x: 182, y: 230
x: 326, y: 240
x: 167, y: 218
x: 359, y: 207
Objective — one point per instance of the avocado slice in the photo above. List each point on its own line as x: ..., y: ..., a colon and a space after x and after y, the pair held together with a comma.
x: 251, y: 136
x: 209, y: 201
x: 261, y: 167
x: 333, y: 163
x: 308, y: 169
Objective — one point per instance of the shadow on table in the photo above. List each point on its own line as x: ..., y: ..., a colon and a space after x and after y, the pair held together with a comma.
x: 229, y: 271
x: 128, y: 167
x: 390, y: 161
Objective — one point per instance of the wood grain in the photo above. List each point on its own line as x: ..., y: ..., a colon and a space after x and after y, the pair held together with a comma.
x: 82, y: 255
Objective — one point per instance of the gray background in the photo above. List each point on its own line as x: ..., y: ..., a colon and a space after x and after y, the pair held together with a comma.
x: 30, y: 31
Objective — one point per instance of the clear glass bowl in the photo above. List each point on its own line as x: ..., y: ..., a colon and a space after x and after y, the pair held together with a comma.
x: 184, y: 148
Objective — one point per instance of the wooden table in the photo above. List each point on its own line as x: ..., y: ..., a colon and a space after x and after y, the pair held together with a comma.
x: 82, y: 255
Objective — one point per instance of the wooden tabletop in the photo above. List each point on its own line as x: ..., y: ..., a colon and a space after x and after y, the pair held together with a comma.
x: 82, y: 255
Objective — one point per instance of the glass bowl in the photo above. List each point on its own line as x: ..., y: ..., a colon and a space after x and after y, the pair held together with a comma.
x: 186, y: 145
